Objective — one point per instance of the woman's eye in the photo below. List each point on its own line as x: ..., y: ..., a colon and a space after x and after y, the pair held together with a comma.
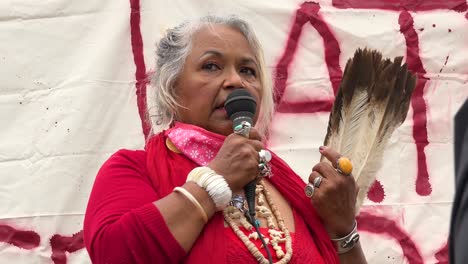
x: 248, y: 71
x: 210, y: 66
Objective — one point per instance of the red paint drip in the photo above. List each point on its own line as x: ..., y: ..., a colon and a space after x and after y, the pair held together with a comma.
x: 400, y: 5
x: 308, y: 12
x: 282, y: 67
x: 445, y: 64
x: 423, y: 186
x: 19, y: 238
x: 381, y: 225
x: 376, y: 192
x: 139, y: 60
x: 442, y: 255
x: 332, y: 47
x: 62, y: 244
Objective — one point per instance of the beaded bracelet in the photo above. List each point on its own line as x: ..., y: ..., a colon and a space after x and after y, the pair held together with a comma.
x: 214, y: 184
x: 193, y: 200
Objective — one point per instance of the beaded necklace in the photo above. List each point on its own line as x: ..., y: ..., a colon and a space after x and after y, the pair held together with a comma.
x: 235, y: 212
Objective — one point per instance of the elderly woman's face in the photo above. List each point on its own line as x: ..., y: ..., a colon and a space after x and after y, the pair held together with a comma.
x: 221, y: 61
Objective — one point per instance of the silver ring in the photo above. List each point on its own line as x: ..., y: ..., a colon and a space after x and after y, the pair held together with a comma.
x: 264, y: 169
x: 238, y: 201
x: 243, y: 129
x: 309, y: 190
x: 265, y: 156
x: 318, y: 181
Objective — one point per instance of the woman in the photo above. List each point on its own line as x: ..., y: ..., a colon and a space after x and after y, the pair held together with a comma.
x: 180, y: 200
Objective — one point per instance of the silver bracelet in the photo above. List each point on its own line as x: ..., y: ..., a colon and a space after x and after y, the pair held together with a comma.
x: 347, y: 242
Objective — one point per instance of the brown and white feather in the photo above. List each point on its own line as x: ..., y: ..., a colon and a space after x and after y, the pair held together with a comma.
x: 373, y: 100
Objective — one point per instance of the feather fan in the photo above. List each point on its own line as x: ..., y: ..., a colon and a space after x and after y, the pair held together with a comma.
x: 373, y: 100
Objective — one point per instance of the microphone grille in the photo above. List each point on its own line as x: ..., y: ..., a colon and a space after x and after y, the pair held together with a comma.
x: 240, y: 100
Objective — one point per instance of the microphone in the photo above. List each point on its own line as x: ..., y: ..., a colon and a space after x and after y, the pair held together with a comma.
x: 241, y: 106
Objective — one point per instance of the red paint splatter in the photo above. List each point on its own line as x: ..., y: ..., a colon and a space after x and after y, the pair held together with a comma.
x: 19, y: 238
x: 400, y: 5
x: 423, y: 186
x: 308, y: 12
x: 376, y: 192
x: 62, y: 244
x: 442, y: 255
x: 449, y: 30
x: 139, y: 60
x: 421, y: 29
x: 433, y: 25
x: 381, y: 225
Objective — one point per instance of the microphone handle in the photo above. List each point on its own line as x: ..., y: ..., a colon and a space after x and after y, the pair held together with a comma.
x: 237, y: 119
x: 250, y: 197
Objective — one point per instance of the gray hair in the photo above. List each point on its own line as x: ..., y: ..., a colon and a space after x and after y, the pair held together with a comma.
x: 172, y: 52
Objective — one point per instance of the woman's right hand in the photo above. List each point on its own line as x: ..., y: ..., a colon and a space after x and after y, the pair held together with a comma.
x: 237, y: 160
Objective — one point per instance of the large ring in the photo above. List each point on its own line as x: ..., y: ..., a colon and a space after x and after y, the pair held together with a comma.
x: 309, y: 190
x: 344, y: 166
x: 265, y: 156
x: 318, y: 181
x: 264, y: 169
x: 243, y: 129
x: 238, y: 201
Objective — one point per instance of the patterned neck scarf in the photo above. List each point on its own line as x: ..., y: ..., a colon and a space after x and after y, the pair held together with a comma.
x: 199, y: 145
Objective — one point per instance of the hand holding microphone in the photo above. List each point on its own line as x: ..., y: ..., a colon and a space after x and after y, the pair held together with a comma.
x: 242, y: 155
x: 240, y: 107
x: 238, y: 159
x: 242, y: 158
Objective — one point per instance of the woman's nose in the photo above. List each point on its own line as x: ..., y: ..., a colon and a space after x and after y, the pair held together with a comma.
x: 233, y: 79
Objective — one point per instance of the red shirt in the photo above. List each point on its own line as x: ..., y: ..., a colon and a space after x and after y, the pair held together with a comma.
x: 122, y: 225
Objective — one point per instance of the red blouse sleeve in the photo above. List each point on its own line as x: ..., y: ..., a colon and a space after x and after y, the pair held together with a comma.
x: 122, y: 225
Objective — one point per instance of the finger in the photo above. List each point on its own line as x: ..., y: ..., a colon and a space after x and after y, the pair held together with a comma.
x: 326, y: 170
x: 254, y: 134
x: 257, y: 145
x: 330, y: 154
x: 250, y: 154
x: 314, y: 175
x: 316, y: 179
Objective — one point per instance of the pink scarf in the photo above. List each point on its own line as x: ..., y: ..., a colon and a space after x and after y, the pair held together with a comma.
x: 198, y: 147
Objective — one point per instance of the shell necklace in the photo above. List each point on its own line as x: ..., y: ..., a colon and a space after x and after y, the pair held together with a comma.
x: 276, y: 236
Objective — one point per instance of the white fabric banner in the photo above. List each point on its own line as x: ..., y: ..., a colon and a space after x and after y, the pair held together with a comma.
x: 72, y: 92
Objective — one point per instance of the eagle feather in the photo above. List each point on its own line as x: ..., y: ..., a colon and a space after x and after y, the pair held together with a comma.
x: 373, y: 100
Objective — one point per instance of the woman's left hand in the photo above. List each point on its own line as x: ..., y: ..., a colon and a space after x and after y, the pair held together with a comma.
x: 335, y: 198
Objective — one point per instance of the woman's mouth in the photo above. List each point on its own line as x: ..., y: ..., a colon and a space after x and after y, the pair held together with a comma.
x: 220, y: 109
